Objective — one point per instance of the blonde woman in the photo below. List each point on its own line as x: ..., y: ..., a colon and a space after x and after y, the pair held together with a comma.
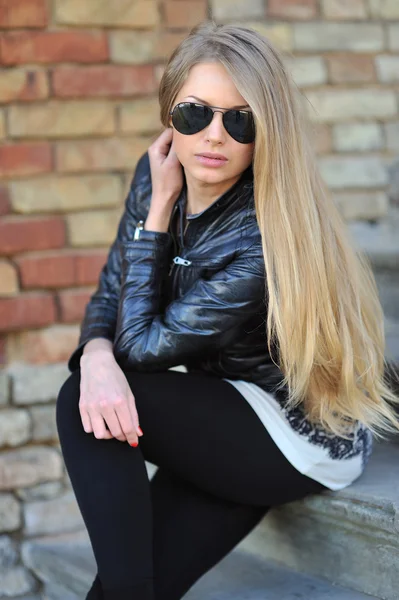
x: 238, y: 267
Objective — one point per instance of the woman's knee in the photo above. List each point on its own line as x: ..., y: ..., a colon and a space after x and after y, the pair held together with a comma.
x: 68, y: 397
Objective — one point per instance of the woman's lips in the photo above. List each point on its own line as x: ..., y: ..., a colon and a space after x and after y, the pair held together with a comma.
x: 211, y: 162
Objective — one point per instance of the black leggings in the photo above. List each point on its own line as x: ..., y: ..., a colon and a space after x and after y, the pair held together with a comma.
x: 219, y: 473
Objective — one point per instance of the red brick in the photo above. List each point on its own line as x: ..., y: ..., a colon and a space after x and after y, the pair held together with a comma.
x: 185, y: 13
x: 348, y: 67
x: 3, y: 355
x: 5, y: 203
x: 23, y: 13
x: 46, y: 271
x: 342, y: 9
x: 41, y: 346
x: 27, y: 310
x: 19, y: 47
x: 72, y: 304
x: 20, y: 234
x: 89, y: 265
x: 107, y: 80
x: 112, y: 154
x: 9, y: 285
x: 60, y: 269
x: 292, y: 9
x: 23, y: 84
x: 25, y: 159
x: 321, y: 138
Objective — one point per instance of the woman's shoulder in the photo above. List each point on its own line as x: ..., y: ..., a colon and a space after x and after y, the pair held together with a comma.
x: 142, y: 171
x: 139, y: 194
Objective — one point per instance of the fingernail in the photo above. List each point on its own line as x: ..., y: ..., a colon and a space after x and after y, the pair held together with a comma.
x: 140, y: 430
x: 135, y: 444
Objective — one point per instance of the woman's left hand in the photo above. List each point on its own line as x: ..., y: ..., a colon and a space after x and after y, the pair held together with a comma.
x: 166, y: 172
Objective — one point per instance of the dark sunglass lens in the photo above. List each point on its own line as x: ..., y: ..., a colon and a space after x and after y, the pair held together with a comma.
x: 240, y: 125
x: 189, y: 118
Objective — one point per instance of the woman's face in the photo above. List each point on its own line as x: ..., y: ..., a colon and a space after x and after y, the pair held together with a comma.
x: 212, y: 83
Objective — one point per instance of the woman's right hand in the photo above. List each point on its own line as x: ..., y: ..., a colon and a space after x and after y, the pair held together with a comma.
x: 106, y: 398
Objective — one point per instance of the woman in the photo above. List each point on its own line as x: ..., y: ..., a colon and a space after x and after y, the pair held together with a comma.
x: 274, y: 315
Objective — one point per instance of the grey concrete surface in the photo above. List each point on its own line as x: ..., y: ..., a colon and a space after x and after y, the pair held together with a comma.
x: 392, y: 336
x: 241, y: 576
x: 349, y: 537
x: 380, y: 242
x: 331, y: 546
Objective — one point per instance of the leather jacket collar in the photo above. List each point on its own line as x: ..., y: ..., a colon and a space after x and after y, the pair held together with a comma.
x: 212, y: 211
x: 246, y: 177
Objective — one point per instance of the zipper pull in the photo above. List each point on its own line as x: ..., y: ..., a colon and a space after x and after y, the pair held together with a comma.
x: 181, y: 261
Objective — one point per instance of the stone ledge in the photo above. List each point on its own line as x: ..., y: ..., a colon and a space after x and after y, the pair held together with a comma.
x: 380, y: 241
x: 63, y: 562
x: 69, y: 574
x: 349, y: 537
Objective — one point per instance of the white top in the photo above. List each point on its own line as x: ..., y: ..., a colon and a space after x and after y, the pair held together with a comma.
x: 310, y: 459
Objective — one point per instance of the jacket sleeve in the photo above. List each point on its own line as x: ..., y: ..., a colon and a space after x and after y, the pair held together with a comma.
x: 101, y: 311
x: 211, y: 315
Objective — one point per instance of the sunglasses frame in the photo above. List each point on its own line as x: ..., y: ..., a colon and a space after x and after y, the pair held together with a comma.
x: 213, y: 109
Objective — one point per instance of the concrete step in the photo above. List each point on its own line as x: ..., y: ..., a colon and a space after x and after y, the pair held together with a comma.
x: 391, y: 328
x: 380, y: 242
x: 69, y: 571
x: 28, y: 597
x: 349, y: 537
x: 392, y: 340
x: 333, y: 545
x: 388, y: 288
x: 64, y: 563
x: 242, y: 576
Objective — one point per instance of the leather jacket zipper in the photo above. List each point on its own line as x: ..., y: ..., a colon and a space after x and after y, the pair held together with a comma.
x: 173, y: 238
x: 177, y: 259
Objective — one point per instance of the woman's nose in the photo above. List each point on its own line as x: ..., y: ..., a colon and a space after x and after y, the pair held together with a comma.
x: 215, y: 128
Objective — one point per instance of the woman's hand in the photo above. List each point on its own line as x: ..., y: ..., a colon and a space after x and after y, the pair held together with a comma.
x: 106, y: 398
x: 166, y: 172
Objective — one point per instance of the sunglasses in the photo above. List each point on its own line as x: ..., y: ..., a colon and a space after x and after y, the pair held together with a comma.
x: 192, y: 117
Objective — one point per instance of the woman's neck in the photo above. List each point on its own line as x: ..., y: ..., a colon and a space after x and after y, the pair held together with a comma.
x: 200, y: 195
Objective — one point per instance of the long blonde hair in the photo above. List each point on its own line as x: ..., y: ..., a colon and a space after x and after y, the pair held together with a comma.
x: 324, y: 312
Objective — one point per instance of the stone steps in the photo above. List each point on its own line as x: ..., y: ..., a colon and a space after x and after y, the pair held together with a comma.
x: 380, y: 242
x: 392, y: 339
x: 64, y: 563
x: 349, y: 536
x: 68, y: 572
x: 240, y: 576
x: 332, y: 546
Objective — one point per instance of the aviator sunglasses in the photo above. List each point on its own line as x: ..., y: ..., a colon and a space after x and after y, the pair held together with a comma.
x: 192, y: 117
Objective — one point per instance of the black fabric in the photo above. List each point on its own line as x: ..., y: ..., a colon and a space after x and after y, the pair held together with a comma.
x: 219, y: 472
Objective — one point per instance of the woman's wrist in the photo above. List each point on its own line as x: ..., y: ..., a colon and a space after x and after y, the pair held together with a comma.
x: 158, y: 219
x: 98, y: 346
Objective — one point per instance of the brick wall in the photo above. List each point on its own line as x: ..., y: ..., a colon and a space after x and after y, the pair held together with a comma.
x: 78, y: 107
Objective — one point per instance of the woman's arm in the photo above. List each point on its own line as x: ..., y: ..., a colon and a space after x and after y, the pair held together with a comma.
x: 100, y: 316
x: 98, y: 344
x: 211, y: 315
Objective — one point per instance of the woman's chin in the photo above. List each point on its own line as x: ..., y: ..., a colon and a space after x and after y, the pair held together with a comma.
x: 206, y: 174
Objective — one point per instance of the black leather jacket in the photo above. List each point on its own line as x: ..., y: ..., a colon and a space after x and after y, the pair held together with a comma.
x: 208, y: 313
x: 207, y: 310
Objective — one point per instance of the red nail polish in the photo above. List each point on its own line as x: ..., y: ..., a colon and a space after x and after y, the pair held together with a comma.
x: 135, y: 444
